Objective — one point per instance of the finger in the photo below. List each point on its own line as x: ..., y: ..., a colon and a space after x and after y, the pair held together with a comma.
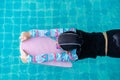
x: 23, y: 59
x: 23, y: 38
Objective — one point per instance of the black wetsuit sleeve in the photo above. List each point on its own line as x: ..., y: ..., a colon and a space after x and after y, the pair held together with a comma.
x: 93, y: 45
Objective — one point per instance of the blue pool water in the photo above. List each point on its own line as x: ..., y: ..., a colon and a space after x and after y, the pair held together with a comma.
x: 88, y: 15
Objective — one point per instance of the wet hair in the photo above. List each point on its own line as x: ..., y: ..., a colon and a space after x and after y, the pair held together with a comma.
x: 70, y: 40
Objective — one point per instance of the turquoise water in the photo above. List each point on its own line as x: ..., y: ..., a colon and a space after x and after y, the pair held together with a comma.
x: 88, y: 15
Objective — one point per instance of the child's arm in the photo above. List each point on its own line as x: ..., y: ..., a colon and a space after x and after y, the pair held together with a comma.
x: 23, y: 55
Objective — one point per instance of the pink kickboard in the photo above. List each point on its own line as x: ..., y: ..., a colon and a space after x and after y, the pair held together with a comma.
x: 40, y: 45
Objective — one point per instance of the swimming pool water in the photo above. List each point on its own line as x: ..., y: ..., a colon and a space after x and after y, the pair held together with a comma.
x: 88, y: 15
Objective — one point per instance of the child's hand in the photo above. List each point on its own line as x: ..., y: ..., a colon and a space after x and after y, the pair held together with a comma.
x: 23, y: 55
x: 24, y: 36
